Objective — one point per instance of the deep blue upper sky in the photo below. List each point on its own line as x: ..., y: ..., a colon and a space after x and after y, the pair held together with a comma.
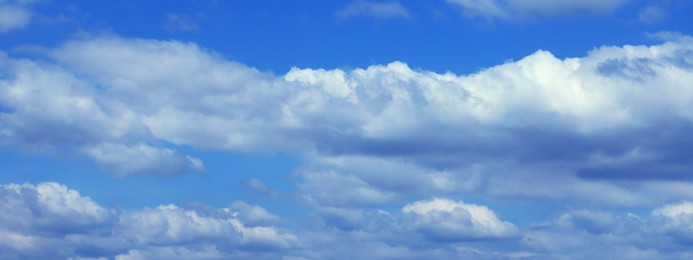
x: 278, y: 35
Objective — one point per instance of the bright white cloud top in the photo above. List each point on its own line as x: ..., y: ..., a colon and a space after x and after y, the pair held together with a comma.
x: 113, y: 99
x: 540, y: 157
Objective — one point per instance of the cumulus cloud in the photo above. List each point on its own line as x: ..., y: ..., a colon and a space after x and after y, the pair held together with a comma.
x: 444, y: 219
x: 609, y: 234
x: 376, y: 143
x: 446, y: 228
x: 52, y: 109
x: 583, y: 131
x: 115, y: 99
x: 375, y: 9
x: 171, y: 225
x: 65, y: 223
x: 49, y: 207
x: 438, y: 227
x: 523, y: 9
x: 50, y: 219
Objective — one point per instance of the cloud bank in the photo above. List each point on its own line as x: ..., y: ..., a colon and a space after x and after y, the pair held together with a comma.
x: 394, y: 159
x: 56, y: 221
x: 50, y: 220
x: 117, y: 100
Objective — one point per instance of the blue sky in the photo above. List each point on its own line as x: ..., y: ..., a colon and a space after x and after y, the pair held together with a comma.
x: 499, y: 129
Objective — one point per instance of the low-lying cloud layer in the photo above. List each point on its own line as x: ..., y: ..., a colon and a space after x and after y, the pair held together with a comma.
x: 50, y: 220
x: 55, y: 221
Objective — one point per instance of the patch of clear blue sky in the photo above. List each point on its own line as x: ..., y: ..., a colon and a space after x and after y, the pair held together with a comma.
x: 224, y: 181
x: 277, y: 35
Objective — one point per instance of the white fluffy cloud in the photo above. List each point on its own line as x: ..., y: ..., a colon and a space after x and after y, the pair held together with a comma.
x: 610, y: 234
x: 444, y: 219
x: 65, y: 223
x: 454, y: 229
x: 50, y: 219
x: 49, y: 207
x: 438, y: 227
x: 51, y: 109
x: 171, y: 225
x: 126, y: 103
x: 558, y: 130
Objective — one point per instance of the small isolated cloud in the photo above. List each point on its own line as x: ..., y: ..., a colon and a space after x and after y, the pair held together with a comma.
x: 179, y: 22
x: 447, y: 220
x: 374, y: 9
x: 124, y: 160
x: 252, y: 215
x: 13, y: 15
x: 652, y: 14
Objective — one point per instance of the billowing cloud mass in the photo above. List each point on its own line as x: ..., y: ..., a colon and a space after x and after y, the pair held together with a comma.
x: 50, y: 220
x: 396, y: 161
x: 117, y: 100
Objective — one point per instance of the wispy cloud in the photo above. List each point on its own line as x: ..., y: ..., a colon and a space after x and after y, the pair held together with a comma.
x: 526, y: 9
x: 179, y: 22
x: 13, y: 15
x: 373, y: 9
